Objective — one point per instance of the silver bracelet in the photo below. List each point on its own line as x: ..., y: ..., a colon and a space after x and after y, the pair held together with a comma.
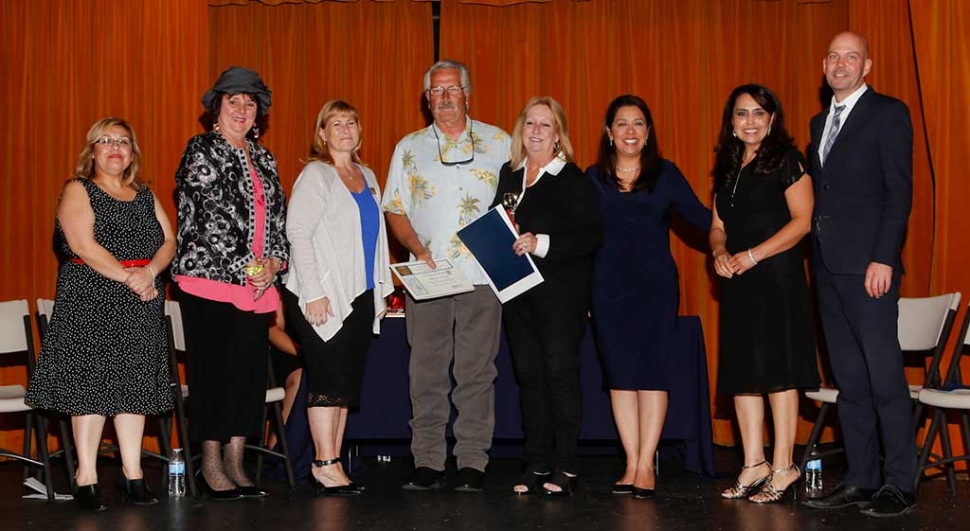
x: 152, y: 269
x: 751, y: 256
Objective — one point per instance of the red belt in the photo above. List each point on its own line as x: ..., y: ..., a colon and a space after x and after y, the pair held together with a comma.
x: 140, y: 262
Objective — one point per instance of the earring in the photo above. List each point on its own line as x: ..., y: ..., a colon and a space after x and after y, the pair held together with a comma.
x: 769, y: 131
x: 734, y: 134
x: 611, y: 142
x: 215, y: 126
x: 555, y: 147
x: 325, y: 141
x: 255, y: 131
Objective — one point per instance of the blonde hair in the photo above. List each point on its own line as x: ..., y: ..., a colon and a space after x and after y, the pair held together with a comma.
x: 565, y: 147
x: 319, y: 150
x: 85, y: 161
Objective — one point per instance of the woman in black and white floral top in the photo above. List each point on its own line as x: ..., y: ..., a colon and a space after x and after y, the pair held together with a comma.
x: 231, y: 245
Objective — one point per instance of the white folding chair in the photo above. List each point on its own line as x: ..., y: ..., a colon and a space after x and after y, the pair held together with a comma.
x: 16, y: 338
x: 924, y: 325
x: 952, y: 394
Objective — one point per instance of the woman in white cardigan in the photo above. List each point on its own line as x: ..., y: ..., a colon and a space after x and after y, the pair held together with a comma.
x: 338, y: 278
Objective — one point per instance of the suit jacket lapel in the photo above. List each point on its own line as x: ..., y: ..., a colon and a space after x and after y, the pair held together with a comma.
x: 815, y: 133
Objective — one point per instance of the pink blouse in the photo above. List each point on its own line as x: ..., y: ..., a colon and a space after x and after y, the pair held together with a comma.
x: 239, y: 296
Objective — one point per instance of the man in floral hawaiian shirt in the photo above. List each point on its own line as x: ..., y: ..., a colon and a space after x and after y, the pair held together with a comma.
x: 442, y: 178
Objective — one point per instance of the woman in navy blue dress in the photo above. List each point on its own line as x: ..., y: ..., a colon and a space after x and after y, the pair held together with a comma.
x: 635, y: 288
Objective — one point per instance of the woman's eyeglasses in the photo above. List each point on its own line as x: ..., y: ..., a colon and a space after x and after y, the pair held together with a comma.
x: 107, y: 141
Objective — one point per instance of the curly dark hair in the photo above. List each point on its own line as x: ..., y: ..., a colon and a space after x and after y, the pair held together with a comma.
x: 650, y: 157
x: 773, y: 152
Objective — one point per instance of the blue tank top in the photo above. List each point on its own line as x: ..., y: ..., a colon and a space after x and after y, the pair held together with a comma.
x: 369, y: 227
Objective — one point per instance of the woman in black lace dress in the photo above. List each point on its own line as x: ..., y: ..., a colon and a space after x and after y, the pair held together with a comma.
x: 105, y: 353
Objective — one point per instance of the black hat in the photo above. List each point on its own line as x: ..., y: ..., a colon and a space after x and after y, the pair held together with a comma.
x: 236, y: 80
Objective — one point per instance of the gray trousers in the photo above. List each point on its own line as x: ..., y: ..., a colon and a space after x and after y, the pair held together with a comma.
x: 462, y: 330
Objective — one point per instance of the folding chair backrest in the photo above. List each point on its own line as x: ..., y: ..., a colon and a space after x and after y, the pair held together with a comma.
x: 174, y: 312
x: 14, y: 336
x: 923, y: 320
x: 45, y: 309
x: 962, y: 349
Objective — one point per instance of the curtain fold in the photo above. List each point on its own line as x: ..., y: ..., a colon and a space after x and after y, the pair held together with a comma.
x: 311, y: 53
x: 942, y: 49
x: 65, y: 65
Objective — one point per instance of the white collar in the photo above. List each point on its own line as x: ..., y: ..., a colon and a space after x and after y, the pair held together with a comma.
x: 553, y: 167
x: 850, y: 100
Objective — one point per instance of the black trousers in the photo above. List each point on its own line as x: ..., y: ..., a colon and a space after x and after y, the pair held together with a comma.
x: 874, y: 402
x: 544, y: 333
x: 226, y: 368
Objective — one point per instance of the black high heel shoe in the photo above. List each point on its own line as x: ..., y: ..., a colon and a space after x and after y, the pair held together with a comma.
x: 343, y: 491
x: 218, y: 495
x: 88, y: 497
x: 136, y: 491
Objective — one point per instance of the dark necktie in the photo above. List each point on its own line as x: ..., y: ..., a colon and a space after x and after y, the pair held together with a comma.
x: 834, y: 132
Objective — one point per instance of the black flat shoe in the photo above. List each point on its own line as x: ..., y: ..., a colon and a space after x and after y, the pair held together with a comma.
x: 470, y: 480
x: 88, y: 498
x: 622, y: 488
x: 136, y: 491
x: 424, y: 478
x: 218, y: 495
x: 565, y: 483
x: 842, y: 496
x: 891, y: 502
x: 643, y: 494
x: 339, y: 491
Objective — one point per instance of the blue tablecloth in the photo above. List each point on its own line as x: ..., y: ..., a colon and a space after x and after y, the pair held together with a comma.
x: 385, y: 406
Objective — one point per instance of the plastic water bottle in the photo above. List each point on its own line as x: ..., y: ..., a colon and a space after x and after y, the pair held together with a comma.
x: 813, y: 477
x: 176, y: 474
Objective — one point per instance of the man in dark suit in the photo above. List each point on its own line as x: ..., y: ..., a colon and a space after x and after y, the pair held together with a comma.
x: 862, y: 162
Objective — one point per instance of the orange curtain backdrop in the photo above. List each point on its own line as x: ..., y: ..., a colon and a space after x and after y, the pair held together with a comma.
x: 65, y: 65
x: 370, y: 54
x: 942, y: 43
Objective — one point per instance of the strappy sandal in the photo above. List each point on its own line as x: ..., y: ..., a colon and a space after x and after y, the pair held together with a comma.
x: 743, y: 491
x: 565, y: 483
x: 769, y: 494
x: 532, y: 479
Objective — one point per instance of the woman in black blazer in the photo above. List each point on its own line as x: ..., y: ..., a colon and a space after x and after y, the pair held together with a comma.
x: 557, y: 215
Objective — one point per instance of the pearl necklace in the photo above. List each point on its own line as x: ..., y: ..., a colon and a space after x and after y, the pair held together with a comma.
x: 620, y: 168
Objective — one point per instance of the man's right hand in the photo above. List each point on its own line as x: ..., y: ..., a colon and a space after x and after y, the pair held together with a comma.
x: 425, y: 256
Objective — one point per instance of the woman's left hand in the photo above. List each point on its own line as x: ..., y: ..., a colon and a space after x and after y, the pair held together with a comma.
x: 263, y: 279
x: 140, y: 281
x: 740, y: 262
x: 525, y: 243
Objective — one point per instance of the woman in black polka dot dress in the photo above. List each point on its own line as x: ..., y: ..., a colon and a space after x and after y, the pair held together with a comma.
x: 105, y: 354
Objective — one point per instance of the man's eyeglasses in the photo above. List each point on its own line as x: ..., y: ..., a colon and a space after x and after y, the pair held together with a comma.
x: 107, y: 141
x: 441, y: 156
x: 439, y: 91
